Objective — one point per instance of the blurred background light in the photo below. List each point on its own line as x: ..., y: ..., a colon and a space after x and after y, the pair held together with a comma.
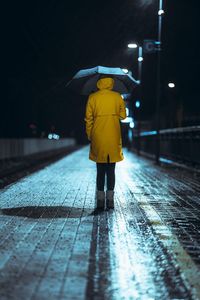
x: 125, y: 70
x: 161, y: 12
x: 137, y: 104
x: 132, y: 45
x: 171, y: 85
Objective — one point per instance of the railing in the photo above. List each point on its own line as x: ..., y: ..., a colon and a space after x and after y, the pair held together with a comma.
x: 179, y: 144
x: 11, y: 148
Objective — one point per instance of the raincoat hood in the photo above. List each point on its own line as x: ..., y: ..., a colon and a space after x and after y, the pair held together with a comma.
x: 105, y: 83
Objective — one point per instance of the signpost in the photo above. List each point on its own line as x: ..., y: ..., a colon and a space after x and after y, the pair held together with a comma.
x: 150, y: 46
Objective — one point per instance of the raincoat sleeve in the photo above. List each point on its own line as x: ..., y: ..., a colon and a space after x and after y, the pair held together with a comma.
x: 89, y: 118
x: 122, y: 109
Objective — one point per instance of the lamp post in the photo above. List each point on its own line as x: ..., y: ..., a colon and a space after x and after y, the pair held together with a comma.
x: 158, y: 92
x: 140, y: 60
x: 138, y: 102
x: 172, y: 105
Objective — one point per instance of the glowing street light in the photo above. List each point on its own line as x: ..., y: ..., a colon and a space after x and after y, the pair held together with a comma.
x: 133, y: 45
x: 171, y: 85
x: 137, y: 104
x: 140, y: 58
x: 161, y: 12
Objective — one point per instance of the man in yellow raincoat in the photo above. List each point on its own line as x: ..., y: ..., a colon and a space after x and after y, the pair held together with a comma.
x: 104, y: 110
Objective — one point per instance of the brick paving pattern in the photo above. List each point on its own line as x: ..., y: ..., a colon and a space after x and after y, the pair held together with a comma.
x: 53, y: 245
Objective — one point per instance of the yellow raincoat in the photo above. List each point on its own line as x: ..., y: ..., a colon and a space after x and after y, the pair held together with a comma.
x: 104, y: 109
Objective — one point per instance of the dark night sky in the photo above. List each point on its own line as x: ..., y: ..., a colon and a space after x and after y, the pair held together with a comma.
x: 47, y: 42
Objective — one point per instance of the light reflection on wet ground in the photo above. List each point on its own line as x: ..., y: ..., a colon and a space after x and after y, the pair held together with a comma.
x: 146, y: 259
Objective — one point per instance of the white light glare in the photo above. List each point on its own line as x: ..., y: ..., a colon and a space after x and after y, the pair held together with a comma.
x: 53, y: 136
x: 125, y: 70
x: 161, y: 12
x: 171, y: 85
x: 127, y: 111
x: 140, y: 58
x: 131, y: 125
x: 132, y: 45
x: 127, y: 120
x: 56, y: 136
x: 137, y: 104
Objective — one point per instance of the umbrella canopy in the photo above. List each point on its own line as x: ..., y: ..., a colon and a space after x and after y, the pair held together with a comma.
x: 85, y: 81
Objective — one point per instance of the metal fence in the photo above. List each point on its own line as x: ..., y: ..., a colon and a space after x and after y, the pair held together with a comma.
x: 180, y: 144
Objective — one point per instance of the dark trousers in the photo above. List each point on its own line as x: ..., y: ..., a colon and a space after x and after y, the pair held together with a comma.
x: 107, y: 169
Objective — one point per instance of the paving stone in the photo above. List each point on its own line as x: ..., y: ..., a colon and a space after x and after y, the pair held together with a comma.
x: 53, y: 245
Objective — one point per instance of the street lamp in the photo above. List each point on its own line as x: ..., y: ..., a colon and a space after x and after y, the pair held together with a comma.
x: 172, y: 105
x: 158, y: 93
x: 132, y: 45
x: 140, y: 60
x: 171, y: 85
x: 161, y: 12
x: 137, y: 104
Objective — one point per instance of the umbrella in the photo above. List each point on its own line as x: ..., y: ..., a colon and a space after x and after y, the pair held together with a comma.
x: 85, y: 81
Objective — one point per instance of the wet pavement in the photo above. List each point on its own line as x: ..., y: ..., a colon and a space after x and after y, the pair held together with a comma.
x: 53, y: 245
